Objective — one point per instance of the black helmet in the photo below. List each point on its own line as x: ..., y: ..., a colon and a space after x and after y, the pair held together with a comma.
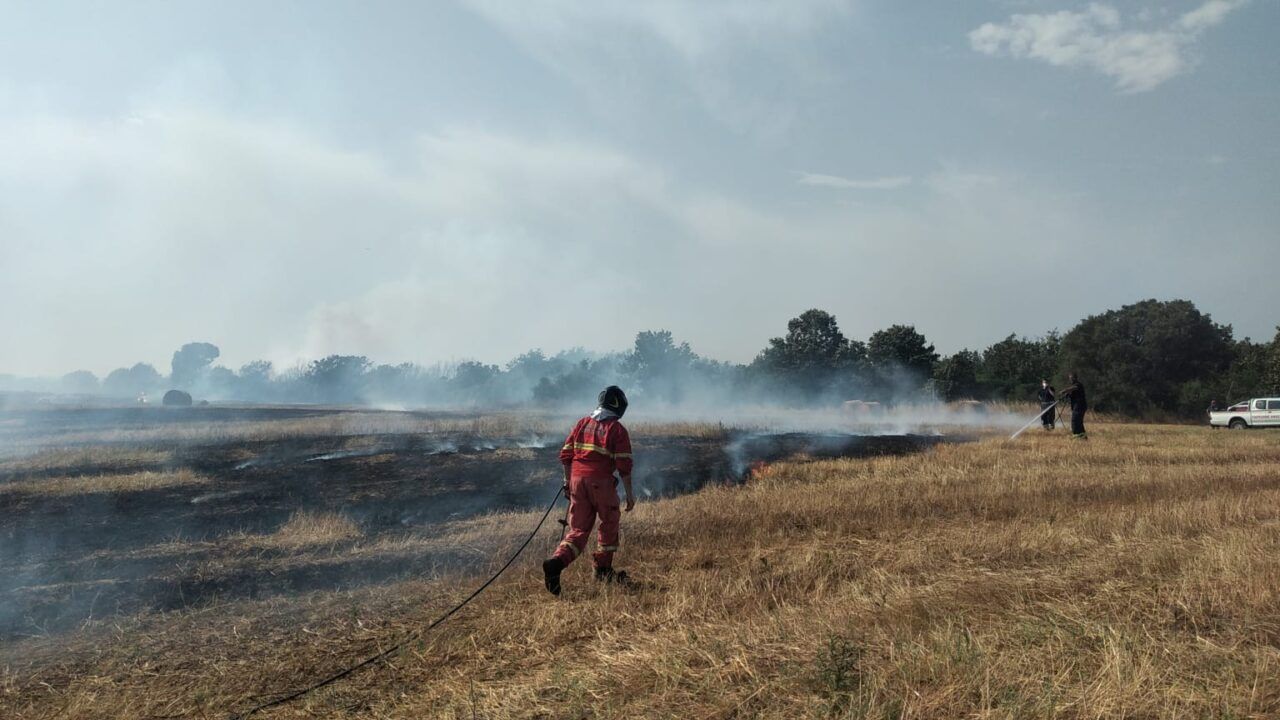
x: 612, y: 398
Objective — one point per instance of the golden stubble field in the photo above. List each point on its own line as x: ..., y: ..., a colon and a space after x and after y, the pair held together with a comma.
x: 1136, y: 575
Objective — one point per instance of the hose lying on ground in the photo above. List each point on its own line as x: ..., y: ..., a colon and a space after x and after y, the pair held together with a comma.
x: 335, y: 677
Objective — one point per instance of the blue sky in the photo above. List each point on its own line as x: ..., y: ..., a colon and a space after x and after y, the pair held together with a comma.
x: 436, y: 181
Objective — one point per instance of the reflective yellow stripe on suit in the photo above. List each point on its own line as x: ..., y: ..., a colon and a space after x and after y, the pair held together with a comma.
x: 594, y: 448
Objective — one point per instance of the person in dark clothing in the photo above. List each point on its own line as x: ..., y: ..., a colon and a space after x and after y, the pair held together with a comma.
x: 1048, y: 396
x: 1079, y: 406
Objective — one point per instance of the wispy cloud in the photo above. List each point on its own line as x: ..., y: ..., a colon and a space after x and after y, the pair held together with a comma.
x: 692, y: 29
x: 1096, y: 38
x: 667, y: 49
x: 835, y: 181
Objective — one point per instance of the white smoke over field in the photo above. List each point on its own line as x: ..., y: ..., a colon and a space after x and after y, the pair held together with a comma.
x: 854, y: 418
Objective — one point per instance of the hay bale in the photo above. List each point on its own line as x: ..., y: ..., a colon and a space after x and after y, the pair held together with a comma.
x: 176, y: 398
x: 861, y: 408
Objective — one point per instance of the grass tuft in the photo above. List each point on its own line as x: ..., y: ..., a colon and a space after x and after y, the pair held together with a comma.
x: 108, y: 483
x: 306, y: 528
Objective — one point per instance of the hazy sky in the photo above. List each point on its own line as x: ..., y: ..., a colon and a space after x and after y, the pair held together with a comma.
x: 436, y: 181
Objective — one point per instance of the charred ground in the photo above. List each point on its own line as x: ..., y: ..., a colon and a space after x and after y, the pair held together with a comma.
x: 113, y: 512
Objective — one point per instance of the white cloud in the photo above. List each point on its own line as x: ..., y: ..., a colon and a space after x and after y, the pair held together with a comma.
x: 626, y: 55
x: 693, y: 29
x: 273, y: 241
x: 835, y: 181
x: 204, y: 225
x: 270, y: 240
x: 1138, y: 60
x: 472, y: 227
x: 1208, y: 15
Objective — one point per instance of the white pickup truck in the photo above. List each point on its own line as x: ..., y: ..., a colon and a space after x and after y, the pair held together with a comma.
x: 1258, y: 412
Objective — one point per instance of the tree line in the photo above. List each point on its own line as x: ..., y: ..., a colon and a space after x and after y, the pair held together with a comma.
x: 1149, y: 358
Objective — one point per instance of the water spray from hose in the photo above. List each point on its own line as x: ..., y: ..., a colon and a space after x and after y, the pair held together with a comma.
x: 1033, y: 421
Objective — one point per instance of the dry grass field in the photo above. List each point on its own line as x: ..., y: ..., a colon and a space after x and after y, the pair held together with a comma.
x: 135, y: 427
x: 92, y: 484
x: 1136, y: 575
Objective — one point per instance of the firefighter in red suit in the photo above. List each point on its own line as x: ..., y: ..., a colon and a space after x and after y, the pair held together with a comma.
x: 598, y: 447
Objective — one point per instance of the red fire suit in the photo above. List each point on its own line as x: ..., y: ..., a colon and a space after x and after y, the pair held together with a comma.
x: 592, y: 452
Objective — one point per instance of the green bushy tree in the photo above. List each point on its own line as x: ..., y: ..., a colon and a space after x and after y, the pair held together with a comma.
x: 190, y: 362
x: 814, y: 357
x: 337, y: 378
x: 659, y: 367
x: 956, y: 377
x: 1271, y: 377
x: 1136, y: 359
x: 1013, y: 368
x: 902, y: 360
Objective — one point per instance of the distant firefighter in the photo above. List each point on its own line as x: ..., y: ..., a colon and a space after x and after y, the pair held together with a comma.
x: 1047, y: 396
x: 598, y: 447
x: 1079, y: 406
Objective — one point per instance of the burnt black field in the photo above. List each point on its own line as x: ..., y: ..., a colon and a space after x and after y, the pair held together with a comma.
x: 70, y: 558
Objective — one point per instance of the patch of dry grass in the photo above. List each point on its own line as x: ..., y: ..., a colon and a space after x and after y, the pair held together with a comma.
x: 676, y: 428
x: 73, y: 458
x: 108, y: 483
x: 306, y: 528
x: 346, y: 424
x: 1136, y: 575
x: 327, y: 425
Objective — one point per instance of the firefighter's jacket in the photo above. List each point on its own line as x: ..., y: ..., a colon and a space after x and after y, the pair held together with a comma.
x: 1075, y: 394
x: 596, y: 448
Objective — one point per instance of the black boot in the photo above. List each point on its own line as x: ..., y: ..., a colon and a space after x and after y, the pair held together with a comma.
x: 551, y: 569
x: 609, y: 575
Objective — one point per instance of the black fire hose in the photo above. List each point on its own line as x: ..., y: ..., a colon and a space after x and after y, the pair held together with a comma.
x: 290, y: 697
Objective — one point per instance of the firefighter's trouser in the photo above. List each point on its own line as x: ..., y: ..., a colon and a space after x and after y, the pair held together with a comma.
x: 590, y: 497
x: 1048, y: 417
x: 1077, y: 421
